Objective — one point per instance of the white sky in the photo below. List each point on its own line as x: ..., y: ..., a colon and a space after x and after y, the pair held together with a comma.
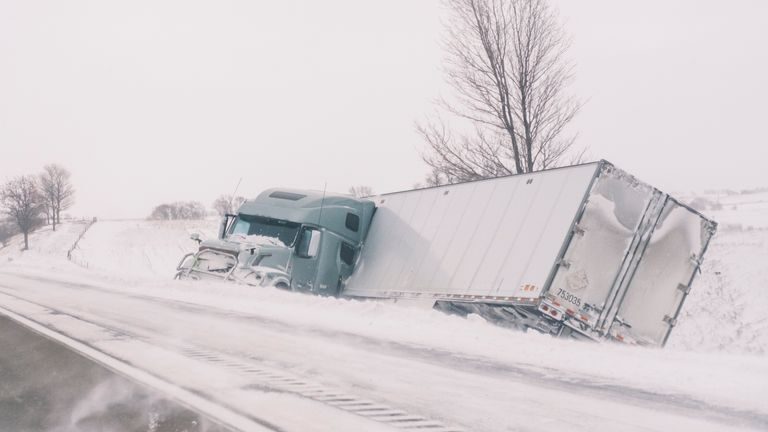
x: 154, y: 101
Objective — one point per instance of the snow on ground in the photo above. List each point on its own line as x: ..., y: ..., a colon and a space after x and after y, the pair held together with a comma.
x: 716, y: 355
x: 727, y: 309
x: 43, y: 243
x: 456, y: 370
x: 130, y: 250
x: 139, y: 248
x: 739, y: 381
x: 746, y: 210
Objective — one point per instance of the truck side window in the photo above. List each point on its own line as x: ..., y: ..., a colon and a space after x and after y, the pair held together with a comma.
x: 347, y: 254
x: 352, y: 222
x: 309, y: 243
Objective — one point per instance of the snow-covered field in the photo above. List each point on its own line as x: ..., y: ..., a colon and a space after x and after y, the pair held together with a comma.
x: 727, y: 310
x: 137, y: 248
x: 457, y: 373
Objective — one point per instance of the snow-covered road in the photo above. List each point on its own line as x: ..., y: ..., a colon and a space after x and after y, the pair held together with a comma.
x: 266, y: 368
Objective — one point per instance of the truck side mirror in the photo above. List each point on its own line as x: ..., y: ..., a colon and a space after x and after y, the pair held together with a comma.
x: 223, y: 226
x: 309, y: 243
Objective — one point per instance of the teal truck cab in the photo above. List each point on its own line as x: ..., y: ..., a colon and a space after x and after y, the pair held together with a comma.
x: 300, y: 240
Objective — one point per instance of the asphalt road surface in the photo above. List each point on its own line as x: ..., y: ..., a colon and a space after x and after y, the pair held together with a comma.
x: 44, y: 386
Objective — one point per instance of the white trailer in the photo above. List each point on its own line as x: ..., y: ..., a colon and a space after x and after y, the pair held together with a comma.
x: 586, y: 251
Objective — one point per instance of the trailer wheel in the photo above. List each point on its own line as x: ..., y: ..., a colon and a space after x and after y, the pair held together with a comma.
x: 282, y: 285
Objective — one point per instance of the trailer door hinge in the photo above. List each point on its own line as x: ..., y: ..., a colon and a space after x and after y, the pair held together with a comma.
x: 669, y: 320
x: 564, y: 263
x: 684, y: 288
x: 578, y: 230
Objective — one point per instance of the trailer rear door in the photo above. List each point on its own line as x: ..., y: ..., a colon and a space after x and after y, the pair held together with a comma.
x: 663, y: 276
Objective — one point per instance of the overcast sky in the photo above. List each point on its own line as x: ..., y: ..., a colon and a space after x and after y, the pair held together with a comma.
x: 153, y: 101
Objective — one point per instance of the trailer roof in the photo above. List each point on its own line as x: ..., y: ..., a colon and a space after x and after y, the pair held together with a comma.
x: 597, y: 162
x: 601, y: 161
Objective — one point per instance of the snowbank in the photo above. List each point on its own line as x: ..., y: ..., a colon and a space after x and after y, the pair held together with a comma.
x: 727, y: 309
x: 44, y: 245
x: 139, y: 249
x: 725, y: 313
x: 124, y: 250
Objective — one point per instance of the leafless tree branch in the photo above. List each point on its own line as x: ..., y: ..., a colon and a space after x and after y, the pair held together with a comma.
x: 506, y: 62
x: 227, y: 204
x: 22, y: 202
x: 57, y: 190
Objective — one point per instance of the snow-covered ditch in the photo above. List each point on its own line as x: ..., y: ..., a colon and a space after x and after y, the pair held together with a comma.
x: 727, y: 310
x: 717, y: 354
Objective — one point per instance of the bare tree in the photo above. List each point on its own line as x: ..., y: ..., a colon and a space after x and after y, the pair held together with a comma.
x: 435, y: 178
x: 57, y: 189
x: 506, y: 62
x: 22, y: 202
x: 227, y: 204
x: 45, y: 208
x: 361, y: 191
x: 7, y: 230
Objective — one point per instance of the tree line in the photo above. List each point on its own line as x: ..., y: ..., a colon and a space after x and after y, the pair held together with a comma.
x: 190, y: 210
x: 224, y: 204
x: 29, y: 201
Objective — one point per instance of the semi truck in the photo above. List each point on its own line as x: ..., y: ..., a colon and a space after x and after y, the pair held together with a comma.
x: 585, y: 251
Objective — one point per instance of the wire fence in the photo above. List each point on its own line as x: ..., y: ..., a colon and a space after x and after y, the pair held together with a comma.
x: 73, y: 257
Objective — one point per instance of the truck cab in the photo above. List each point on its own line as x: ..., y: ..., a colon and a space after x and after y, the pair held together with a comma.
x: 303, y: 240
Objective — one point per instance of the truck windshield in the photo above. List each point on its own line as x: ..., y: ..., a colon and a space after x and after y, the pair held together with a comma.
x: 263, y: 226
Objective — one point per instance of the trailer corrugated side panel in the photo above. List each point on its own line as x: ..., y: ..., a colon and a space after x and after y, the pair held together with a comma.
x: 497, y: 238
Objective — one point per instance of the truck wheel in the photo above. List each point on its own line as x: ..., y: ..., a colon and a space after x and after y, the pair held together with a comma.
x: 282, y: 285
